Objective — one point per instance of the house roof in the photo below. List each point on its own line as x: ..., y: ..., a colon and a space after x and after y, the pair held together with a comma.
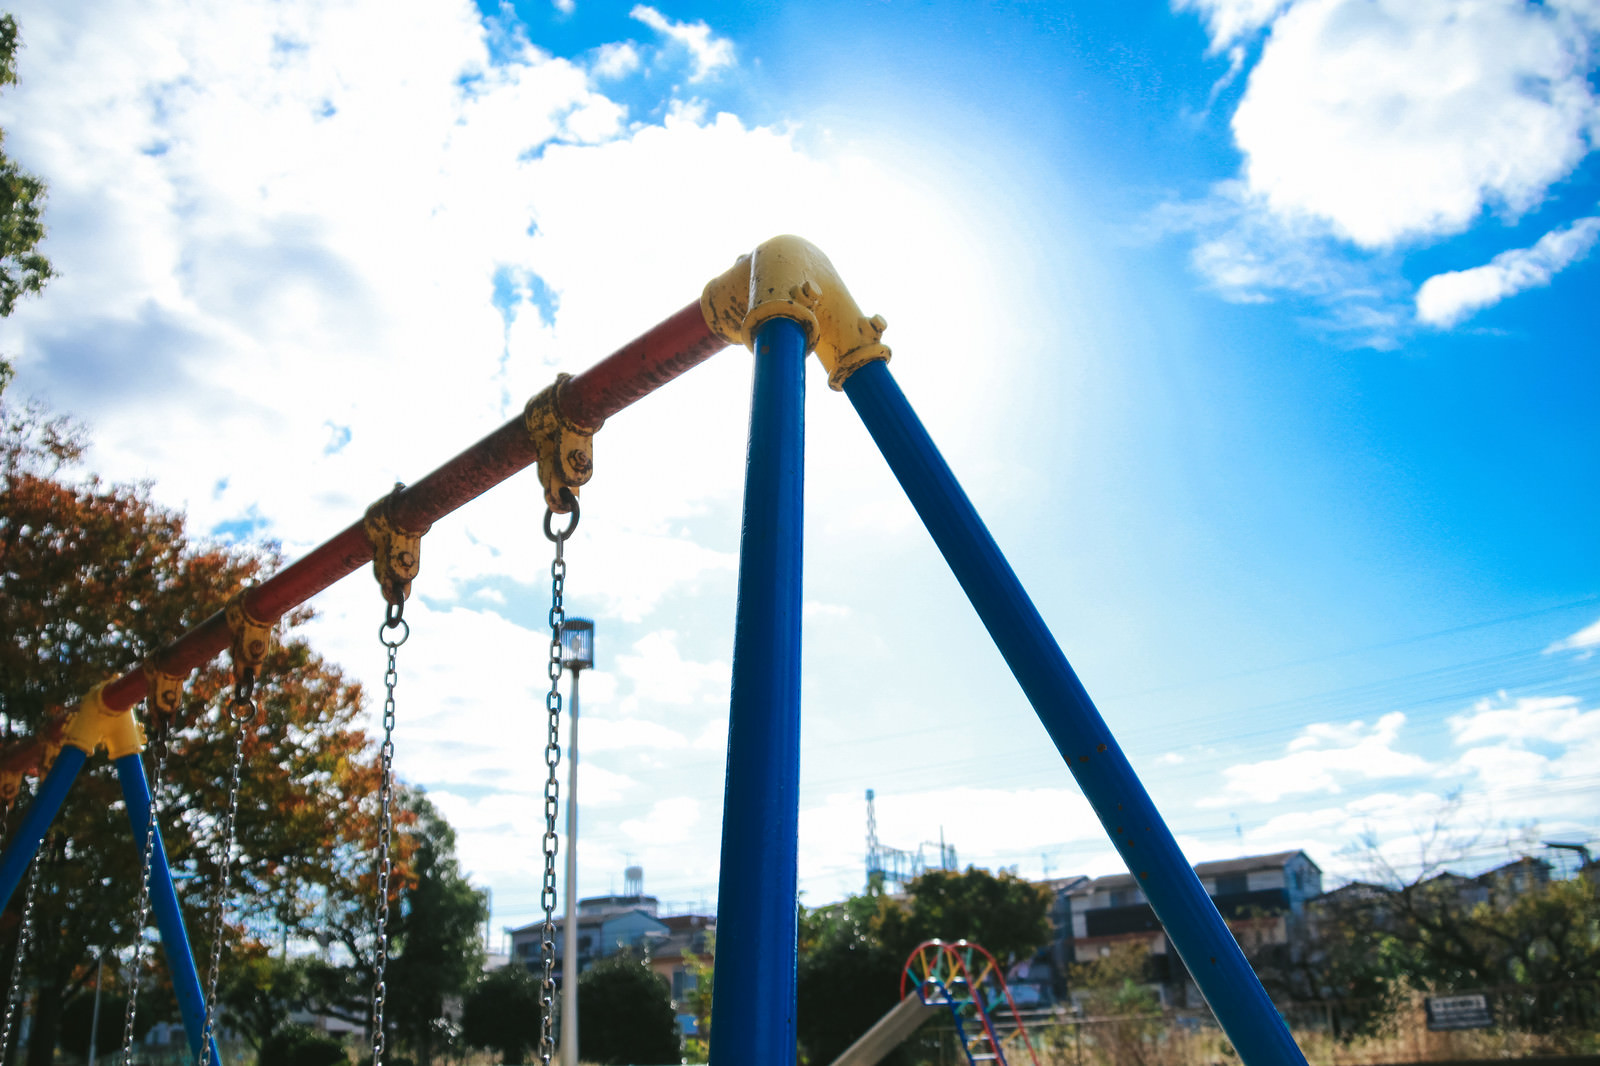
x: 680, y: 922
x: 1275, y: 861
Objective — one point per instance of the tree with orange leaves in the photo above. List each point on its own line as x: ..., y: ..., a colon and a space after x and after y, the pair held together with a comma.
x: 93, y: 579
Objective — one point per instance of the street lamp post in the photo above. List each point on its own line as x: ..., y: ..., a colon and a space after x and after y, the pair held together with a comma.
x: 577, y: 655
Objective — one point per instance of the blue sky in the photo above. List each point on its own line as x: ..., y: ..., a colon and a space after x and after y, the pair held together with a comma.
x: 1260, y: 332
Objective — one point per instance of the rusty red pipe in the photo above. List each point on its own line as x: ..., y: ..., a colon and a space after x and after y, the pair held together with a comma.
x: 632, y: 372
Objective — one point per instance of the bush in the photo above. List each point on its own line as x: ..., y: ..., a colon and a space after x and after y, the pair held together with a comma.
x: 298, y: 1045
x: 625, y: 1013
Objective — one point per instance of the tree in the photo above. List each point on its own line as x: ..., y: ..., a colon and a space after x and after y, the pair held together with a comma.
x: 698, y: 998
x: 502, y: 1013
x: 847, y: 978
x: 22, y: 268
x: 93, y: 579
x: 1113, y: 987
x: 1006, y: 914
x: 260, y: 991
x: 626, y: 1013
x: 438, y: 951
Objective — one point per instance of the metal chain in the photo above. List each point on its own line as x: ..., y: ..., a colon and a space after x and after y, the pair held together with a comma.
x: 393, y: 619
x: 158, y: 758
x: 552, y: 787
x: 14, y: 994
x: 241, y: 709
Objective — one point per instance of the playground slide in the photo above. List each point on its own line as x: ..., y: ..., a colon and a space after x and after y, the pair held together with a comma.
x: 903, y: 1019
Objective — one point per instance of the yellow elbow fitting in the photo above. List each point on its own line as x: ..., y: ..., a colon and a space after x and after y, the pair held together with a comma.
x: 788, y: 277
x: 94, y: 724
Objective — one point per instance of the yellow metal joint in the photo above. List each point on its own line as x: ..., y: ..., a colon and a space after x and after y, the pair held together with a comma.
x: 396, y: 552
x: 566, y: 449
x: 251, y: 637
x: 163, y: 692
x: 94, y: 724
x: 788, y: 277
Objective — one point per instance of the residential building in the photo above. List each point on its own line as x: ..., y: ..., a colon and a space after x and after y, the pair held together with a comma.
x: 687, y: 934
x: 606, y: 925
x: 1263, y: 899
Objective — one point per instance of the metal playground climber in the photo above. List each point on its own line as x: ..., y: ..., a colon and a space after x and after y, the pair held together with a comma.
x: 782, y: 301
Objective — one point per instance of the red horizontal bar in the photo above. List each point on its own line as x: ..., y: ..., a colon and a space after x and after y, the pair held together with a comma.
x: 588, y: 399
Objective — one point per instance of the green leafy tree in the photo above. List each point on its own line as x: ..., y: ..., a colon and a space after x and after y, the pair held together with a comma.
x: 626, y: 1013
x: 438, y: 950
x: 1004, y: 913
x: 847, y: 978
x: 261, y: 990
x: 501, y: 1013
x: 698, y: 998
x: 22, y: 268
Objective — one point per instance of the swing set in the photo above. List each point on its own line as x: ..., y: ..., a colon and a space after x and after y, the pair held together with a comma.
x: 782, y: 301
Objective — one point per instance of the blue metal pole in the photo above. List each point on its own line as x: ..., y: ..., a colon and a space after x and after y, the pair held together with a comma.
x: 164, y: 901
x: 24, y: 843
x: 1080, y: 734
x: 754, y: 992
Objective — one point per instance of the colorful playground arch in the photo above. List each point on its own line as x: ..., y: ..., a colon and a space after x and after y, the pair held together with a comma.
x: 965, y: 978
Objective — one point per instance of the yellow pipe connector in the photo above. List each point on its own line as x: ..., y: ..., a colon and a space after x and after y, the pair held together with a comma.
x: 94, y: 724
x: 788, y: 277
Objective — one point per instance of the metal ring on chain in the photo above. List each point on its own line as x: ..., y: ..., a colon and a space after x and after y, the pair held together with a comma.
x: 405, y: 633
x: 573, y: 514
x: 241, y: 710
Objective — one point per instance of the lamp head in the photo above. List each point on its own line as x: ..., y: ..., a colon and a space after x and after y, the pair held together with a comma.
x: 577, y: 643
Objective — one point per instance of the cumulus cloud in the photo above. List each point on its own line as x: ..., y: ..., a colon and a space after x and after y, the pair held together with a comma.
x: 1400, y: 119
x: 1368, y: 126
x: 1323, y: 758
x: 1446, y: 299
x: 1585, y: 640
x: 711, y: 53
x: 1228, y: 20
x: 615, y: 59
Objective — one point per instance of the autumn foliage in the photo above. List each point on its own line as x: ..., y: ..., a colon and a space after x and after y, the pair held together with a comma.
x: 93, y: 579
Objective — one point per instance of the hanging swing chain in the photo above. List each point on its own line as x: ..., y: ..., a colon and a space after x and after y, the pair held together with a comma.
x: 158, y: 759
x: 552, y: 787
x: 14, y: 993
x: 241, y: 709
x: 393, y: 619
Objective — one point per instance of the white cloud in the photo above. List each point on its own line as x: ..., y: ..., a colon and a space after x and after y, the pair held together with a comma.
x: 710, y: 52
x: 1393, y: 120
x: 1547, y: 720
x: 1446, y: 299
x: 1584, y: 640
x: 663, y: 676
x: 669, y: 821
x: 1323, y: 758
x: 1371, y: 126
x: 1228, y: 20
x: 615, y: 60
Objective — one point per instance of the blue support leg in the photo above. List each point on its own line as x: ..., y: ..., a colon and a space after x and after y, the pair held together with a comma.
x: 1080, y: 734
x: 754, y: 992
x: 24, y: 843
x: 164, y: 901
